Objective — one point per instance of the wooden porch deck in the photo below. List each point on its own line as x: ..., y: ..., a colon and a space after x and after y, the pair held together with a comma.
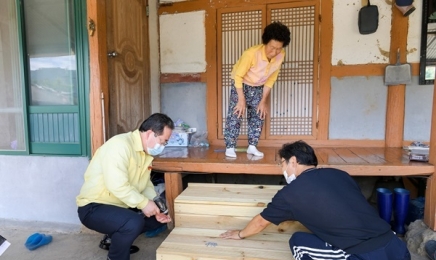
x: 357, y: 161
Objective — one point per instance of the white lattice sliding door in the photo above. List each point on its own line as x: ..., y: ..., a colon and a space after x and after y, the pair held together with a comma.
x: 293, y: 97
x: 238, y: 30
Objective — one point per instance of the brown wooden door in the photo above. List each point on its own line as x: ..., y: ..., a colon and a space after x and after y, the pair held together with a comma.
x: 128, y: 65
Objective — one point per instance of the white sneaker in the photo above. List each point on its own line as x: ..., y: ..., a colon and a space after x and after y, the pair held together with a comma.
x: 230, y: 152
x: 253, y: 150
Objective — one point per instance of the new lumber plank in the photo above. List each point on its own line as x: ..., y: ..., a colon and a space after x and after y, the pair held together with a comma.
x: 203, y: 211
x: 232, y: 222
x: 212, y: 247
x: 230, y: 194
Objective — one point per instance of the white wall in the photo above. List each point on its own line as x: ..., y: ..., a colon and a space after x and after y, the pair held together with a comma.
x: 350, y: 47
x: 183, y: 42
x: 192, y: 109
x: 417, y: 119
x: 183, y: 50
x: 358, y: 104
x: 414, y: 33
x: 40, y: 188
x: 358, y: 108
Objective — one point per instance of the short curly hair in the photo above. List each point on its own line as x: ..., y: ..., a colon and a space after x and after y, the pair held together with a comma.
x: 278, y: 32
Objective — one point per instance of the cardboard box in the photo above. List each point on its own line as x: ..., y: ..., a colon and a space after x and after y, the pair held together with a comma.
x: 180, y: 137
x: 420, y: 154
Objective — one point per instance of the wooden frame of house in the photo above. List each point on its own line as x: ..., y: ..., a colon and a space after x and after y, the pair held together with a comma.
x: 396, y: 94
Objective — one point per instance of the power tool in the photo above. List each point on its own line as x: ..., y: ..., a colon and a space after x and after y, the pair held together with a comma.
x: 160, y: 203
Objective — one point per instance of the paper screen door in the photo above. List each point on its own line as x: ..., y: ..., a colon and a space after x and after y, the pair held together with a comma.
x: 293, y: 96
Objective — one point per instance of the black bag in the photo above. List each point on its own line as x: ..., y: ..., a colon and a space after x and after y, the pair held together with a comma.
x: 368, y: 19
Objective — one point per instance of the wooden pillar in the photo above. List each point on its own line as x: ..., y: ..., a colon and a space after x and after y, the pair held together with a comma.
x: 96, y: 11
x: 325, y: 67
x: 211, y: 74
x: 429, y: 208
x: 396, y: 94
x: 430, y: 194
x: 173, y: 187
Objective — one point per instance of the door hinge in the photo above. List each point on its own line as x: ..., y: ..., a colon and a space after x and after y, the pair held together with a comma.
x: 147, y: 10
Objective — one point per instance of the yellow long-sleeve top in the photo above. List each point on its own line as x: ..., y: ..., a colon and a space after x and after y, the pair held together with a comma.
x: 254, y: 69
x: 119, y: 174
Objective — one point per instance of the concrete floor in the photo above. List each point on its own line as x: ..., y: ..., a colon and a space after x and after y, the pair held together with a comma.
x: 68, y: 243
x: 71, y: 243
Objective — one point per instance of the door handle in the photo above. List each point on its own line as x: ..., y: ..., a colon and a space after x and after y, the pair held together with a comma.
x: 112, y: 54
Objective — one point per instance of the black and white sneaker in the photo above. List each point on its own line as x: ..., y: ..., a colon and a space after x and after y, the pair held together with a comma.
x: 105, y: 243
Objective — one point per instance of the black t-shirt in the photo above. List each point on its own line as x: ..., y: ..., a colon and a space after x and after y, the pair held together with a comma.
x: 330, y: 204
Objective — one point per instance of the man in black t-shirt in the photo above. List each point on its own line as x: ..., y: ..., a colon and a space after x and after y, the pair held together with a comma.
x: 330, y: 204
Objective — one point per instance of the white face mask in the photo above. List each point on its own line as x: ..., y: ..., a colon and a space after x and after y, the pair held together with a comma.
x: 289, y: 179
x: 156, y: 150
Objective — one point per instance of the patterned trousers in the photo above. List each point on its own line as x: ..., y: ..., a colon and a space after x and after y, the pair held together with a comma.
x: 253, y: 96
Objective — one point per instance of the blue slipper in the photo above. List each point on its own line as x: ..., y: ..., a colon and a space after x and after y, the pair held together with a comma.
x: 155, y: 232
x: 37, y: 240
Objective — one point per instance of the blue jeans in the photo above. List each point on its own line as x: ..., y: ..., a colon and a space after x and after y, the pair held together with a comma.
x: 122, y: 225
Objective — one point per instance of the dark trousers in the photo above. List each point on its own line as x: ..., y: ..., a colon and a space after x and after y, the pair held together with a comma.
x: 309, y: 246
x: 403, y: 2
x: 122, y: 225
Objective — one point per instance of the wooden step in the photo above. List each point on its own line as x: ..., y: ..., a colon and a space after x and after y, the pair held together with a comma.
x: 204, y: 211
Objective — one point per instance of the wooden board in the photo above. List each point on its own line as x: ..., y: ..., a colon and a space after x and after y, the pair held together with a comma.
x: 357, y: 161
x: 189, y: 243
x: 224, y: 199
x: 229, y: 194
x: 204, y: 210
x: 232, y: 222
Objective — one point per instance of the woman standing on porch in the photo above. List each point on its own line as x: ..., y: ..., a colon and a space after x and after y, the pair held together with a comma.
x: 253, y: 76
